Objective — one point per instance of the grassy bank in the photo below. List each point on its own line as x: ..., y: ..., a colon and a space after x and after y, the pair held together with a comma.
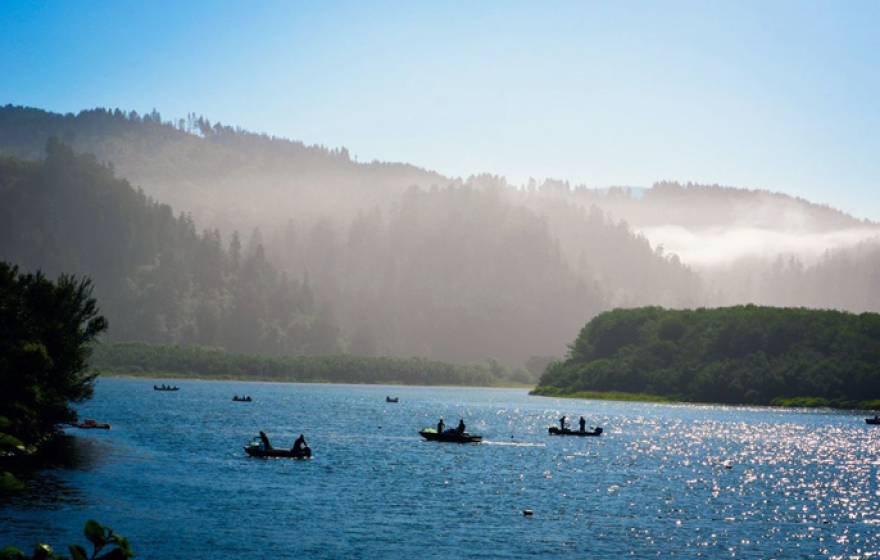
x: 792, y: 402
x: 170, y: 375
x: 546, y: 391
x: 188, y: 362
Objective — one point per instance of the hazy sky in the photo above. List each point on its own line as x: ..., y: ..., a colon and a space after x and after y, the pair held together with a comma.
x: 778, y: 95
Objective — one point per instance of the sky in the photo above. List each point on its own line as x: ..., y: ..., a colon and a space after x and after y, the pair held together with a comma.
x: 781, y: 95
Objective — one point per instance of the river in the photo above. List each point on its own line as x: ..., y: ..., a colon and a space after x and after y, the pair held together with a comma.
x: 662, y: 481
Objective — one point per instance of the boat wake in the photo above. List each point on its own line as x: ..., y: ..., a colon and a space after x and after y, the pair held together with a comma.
x: 514, y: 443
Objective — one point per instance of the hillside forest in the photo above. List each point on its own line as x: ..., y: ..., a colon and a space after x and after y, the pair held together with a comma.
x: 203, y: 234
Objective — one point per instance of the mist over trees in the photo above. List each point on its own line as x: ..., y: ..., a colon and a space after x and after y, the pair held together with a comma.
x: 262, y: 245
x: 157, y: 278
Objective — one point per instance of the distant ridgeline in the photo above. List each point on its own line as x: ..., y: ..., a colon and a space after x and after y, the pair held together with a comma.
x: 134, y: 358
x: 736, y: 355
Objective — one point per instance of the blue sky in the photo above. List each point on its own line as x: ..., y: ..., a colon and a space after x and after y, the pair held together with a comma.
x: 778, y: 95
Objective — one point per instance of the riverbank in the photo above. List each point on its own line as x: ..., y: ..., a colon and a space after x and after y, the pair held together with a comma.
x: 195, y: 362
x: 782, y: 402
x: 600, y: 395
x: 166, y: 375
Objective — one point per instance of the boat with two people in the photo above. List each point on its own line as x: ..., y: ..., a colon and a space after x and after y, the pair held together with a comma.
x: 562, y: 430
x: 392, y: 399
x: 91, y: 424
x: 243, y: 398
x: 164, y: 387
x: 451, y: 435
x: 874, y: 421
x: 262, y: 447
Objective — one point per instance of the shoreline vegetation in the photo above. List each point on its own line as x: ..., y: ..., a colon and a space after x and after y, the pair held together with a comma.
x: 135, y: 359
x: 47, y: 327
x: 741, y: 355
x: 791, y: 402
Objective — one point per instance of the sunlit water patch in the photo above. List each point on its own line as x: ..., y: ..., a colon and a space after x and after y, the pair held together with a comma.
x: 662, y: 481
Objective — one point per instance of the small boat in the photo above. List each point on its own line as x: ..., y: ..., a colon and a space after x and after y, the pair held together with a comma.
x: 165, y: 388
x: 392, y: 399
x: 450, y: 436
x: 91, y: 424
x: 554, y: 431
x: 874, y: 421
x: 257, y: 449
x: 236, y: 398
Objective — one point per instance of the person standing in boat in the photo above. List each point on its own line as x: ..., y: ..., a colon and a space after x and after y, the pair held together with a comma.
x: 265, y: 439
x: 583, y: 424
x: 460, y: 427
x: 440, y: 426
x: 299, y: 444
x: 562, y: 424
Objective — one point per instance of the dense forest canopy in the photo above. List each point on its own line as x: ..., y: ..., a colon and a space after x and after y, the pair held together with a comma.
x: 741, y: 355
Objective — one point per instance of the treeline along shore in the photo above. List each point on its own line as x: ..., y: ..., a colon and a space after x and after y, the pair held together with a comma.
x: 734, y: 355
x: 139, y: 359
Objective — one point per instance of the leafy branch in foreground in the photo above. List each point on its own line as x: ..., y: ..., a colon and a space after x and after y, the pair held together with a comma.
x: 103, y: 539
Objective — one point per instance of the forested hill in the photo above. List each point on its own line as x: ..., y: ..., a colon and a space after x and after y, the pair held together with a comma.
x: 156, y: 277
x: 457, y: 273
x: 738, y: 355
x: 225, y: 177
x: 230, y: 178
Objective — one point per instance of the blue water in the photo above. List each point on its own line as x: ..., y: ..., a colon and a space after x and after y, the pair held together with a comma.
x: 663, y: 481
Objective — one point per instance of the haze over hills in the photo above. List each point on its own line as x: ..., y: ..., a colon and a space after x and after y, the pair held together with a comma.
x: 395, y: 259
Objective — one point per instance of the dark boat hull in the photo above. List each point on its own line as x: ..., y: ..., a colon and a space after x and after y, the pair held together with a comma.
x: 450, y: 438
x: 554, y: 431
x: 254, y: 451
x: 873, y: 421
x: 84, y: 426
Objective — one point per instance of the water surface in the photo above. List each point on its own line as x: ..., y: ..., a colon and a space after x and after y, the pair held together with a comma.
x: 664, y: 480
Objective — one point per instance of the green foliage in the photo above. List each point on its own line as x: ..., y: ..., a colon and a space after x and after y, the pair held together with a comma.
x: 102, y: 539
x: 143, y: 359
x: 742, y: 355
x: 45, y: 333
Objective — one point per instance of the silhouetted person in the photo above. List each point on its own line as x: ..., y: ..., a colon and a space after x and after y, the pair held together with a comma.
x: 440, y: 426
x: 460, y: 427
x: 265, y: 439
x: 562, y: 424
x: 299, y: 444
x: 583, y: 424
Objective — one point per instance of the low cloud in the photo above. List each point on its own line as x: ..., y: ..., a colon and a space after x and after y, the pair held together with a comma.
x: 712, y: 247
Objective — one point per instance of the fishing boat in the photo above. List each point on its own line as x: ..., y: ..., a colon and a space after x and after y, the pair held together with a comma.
x: 554, y: 431
x: 392, y: 399
x: 165, y: 388
x: 236, y: 398
x: 257, y: 449
x: 91, y: 424
x: 875, y: 420
x: 450, y: 436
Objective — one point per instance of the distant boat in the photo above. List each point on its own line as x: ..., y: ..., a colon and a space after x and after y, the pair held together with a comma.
x: 450, y: 436
x: 247, y: 398
x: 875, y: 420
x: 165, y: 388
x: 392, y: 399
x: 91, y: 424
x: 554, y: 431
